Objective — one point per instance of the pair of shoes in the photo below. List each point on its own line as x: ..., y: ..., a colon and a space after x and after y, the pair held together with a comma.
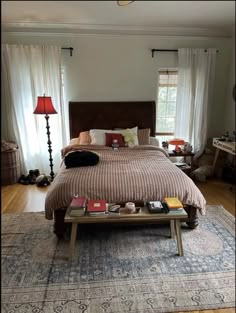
x: 23, y: 180
x: 35, y: 172
x: 42, y: 181
x: 31, y: 177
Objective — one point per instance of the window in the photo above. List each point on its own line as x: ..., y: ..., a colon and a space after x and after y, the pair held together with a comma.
x: 166, y: 104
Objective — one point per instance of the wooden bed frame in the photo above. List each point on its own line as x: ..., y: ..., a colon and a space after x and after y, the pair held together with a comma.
x: 84, y: 116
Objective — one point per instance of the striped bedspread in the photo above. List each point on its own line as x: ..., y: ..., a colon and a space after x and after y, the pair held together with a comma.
x: 129, y: 174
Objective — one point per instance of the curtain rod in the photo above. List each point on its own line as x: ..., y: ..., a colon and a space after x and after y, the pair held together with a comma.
x: 168, y: 50
x: 68, y: 48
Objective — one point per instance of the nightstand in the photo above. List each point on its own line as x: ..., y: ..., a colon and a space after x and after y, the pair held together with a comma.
x: 185, y: 155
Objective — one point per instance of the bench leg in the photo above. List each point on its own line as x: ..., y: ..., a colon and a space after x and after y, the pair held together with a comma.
x: 72, y: 240
x: 179, y: 238
x: 172, y: 229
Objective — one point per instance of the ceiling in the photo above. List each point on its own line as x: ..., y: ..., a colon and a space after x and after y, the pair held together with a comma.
x: 210, y: 18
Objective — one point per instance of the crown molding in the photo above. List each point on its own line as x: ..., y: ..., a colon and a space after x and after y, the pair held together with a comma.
x: 112, y: 29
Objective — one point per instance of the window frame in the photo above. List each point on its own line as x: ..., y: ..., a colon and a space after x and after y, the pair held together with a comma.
x: 168, y: 70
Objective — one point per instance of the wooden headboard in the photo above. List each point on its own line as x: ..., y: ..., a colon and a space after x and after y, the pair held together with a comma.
x: 109, y: 115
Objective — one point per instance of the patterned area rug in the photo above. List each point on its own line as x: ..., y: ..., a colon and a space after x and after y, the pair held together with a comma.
x: 117, y: 269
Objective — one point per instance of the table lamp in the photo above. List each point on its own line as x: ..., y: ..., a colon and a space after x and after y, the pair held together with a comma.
x: 45, y: 106
x: 177, y: 142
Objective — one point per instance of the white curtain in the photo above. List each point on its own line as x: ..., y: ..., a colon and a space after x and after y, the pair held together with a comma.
x: 194, y: 95
x: 29, y: 71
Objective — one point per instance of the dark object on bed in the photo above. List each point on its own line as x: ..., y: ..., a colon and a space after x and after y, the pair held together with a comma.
x: 109, y: 115
x: 81, y: 158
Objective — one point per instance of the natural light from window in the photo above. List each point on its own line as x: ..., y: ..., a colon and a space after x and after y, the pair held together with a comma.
x: 166, y: 104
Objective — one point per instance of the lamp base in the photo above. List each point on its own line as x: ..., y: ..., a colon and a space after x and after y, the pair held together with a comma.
x: 177, y: 149
x: 49, y: 147
x: 51, y: 177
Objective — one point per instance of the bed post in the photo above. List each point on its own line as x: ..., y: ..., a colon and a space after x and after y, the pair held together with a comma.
x: 192, y: 220
x: 59, y: 227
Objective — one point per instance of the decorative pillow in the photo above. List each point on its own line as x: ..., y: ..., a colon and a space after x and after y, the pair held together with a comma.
x: 74, y: 141
x: 131, y: 136
x: 84, y: 138
x: 111, y: 136
x: 144, y: 136
x: 98, y: 136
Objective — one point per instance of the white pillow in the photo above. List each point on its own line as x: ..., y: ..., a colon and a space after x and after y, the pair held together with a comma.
x: 98, y: 135
x: 74, y: 141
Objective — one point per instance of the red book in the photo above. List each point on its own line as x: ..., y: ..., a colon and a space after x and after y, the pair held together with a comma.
x: 78, y: 203
x: 96, y: 206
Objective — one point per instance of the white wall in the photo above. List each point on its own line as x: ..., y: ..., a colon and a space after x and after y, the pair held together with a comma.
x: 120, y: 67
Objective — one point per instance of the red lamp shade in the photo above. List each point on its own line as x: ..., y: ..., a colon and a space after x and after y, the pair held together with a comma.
x: 177, y: 142
x: 45, y: 106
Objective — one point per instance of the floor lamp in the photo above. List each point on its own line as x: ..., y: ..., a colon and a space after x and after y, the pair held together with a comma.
x: 45, y: 106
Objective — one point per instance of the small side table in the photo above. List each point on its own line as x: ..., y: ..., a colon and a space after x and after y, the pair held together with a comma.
x: 229, y: 147
x: 182, y: 154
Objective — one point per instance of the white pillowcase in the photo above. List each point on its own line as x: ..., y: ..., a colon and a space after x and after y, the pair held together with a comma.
x: 98, y: 135
x: 74, y: 141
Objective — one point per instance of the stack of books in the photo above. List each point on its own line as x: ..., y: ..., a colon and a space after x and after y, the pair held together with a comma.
x: 96, y: 207
x: 157, y: 207
x: 78, y: 206
x: 173, y: 203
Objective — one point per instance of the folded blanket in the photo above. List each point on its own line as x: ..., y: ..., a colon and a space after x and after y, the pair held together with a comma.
x: 81, y: 158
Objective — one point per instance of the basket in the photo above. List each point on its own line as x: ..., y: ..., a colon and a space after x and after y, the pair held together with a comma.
x: 10, y: 166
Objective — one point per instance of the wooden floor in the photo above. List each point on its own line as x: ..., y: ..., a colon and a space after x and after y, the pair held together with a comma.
x: 19, y: 198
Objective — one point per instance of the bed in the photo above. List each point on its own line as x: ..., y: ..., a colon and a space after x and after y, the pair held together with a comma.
x: 140, y: 173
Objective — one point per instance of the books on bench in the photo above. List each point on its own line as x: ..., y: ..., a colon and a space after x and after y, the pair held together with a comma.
x: 173, y: 203
x: 78, y: 206
x: 157, y: 207
x: 114, y: 210
x: 96, y: 207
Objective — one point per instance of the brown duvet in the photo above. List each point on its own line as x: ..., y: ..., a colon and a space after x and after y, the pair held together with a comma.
x: 130, y: 174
